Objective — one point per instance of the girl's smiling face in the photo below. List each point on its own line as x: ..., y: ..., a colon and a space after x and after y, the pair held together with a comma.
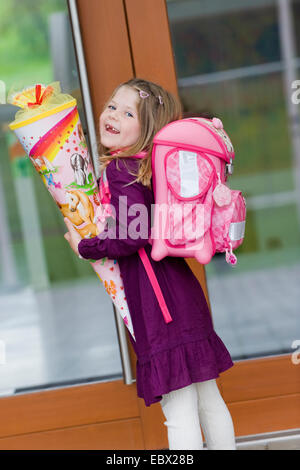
x: 119, y: 122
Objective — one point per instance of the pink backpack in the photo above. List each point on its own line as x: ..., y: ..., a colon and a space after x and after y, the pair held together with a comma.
x: 196, y: 214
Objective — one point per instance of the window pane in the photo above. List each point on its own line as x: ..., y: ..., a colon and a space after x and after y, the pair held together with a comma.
x: 56, y: 321
x: 229, y: 65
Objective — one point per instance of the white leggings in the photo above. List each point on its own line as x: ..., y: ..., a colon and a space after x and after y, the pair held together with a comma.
x: 198, y: 404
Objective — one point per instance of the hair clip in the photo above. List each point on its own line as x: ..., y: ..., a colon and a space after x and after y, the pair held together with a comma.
x: 143, y: 94
x: 160, y: 100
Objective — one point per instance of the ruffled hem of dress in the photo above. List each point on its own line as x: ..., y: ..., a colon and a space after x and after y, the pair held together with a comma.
x: 181, y: 366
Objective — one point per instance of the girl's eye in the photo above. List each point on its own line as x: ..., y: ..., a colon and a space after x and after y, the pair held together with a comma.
x: 129, y: 114
x: 111, y: 106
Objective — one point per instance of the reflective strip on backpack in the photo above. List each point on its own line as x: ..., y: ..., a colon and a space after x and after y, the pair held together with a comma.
x: 237, y: 230
x: 189, y: 174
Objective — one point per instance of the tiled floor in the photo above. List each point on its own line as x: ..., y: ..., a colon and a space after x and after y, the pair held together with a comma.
x: 258, y: 312
x: 68, y: 334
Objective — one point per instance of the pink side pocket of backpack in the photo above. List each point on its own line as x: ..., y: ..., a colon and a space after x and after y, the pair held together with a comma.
x: 228, y: 223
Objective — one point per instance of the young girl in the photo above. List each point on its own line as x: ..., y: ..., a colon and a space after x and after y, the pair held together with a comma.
x: 177, y: 362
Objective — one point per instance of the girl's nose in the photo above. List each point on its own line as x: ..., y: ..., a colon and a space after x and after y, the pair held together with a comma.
x: 113, y: 114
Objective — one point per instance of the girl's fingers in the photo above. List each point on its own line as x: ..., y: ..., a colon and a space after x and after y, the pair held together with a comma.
x: 67, y: 236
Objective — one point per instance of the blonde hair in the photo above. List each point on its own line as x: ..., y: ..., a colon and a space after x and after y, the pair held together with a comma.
x: 155, y: 111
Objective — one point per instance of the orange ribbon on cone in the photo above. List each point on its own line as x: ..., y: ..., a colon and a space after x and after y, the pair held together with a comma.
x: 39, y: 97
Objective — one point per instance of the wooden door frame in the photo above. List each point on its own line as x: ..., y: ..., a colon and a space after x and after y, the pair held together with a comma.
x: 263, y: 394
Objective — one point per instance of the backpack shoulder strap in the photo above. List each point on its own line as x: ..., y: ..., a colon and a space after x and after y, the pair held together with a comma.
x: 151, y: 275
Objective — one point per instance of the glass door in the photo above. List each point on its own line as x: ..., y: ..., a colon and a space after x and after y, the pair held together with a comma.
x: 239, y: 61
x: 57, y: 323
x: 230, y: 64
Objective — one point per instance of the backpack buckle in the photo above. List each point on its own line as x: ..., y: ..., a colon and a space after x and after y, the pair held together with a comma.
x: 229, y: 168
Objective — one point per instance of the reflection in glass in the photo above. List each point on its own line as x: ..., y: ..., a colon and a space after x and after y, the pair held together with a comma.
x: 56, y: 321
x: 229, y: 64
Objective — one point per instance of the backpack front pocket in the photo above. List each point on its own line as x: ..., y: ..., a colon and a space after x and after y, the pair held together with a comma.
x: 189, y: 177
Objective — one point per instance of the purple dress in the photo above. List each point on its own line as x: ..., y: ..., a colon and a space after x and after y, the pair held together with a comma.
x: 169, y: 356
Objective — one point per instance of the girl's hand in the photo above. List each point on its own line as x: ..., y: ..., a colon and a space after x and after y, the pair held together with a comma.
x: 72, y: 236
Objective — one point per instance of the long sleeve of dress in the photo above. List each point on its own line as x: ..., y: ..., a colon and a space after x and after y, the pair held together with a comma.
x: 130, y: 229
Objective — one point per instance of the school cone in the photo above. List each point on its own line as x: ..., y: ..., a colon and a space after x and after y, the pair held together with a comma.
x: 55, y: 143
